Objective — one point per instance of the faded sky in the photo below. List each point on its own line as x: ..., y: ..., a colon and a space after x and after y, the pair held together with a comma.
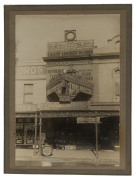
x: 33, y: 32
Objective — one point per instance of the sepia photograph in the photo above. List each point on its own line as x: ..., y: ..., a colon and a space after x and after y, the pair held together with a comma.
x: 67, y: 91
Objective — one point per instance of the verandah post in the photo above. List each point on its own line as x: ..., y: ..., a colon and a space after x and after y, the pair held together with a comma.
x: 40, y: 143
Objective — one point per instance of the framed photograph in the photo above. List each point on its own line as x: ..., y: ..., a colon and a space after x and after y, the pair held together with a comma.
x: 67, y: 101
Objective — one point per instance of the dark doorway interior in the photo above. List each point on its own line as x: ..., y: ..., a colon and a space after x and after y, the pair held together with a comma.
x: 109, y: 133
x: 66, y: 131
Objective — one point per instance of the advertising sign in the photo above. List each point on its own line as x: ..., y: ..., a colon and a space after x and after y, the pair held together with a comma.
x: 26, y: 107
x: 73, y: 45
x: 72, y: 106
x: 64, y: 98
x: 87, y: 120
x: 82, y: 53
x: 71, y: 49
x: 31, y: 70
x: 54, y: 89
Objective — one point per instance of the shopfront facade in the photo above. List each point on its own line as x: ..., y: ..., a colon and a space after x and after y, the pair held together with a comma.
x: 75, y: 99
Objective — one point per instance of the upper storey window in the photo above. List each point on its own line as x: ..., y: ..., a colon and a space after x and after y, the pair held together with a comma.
x: 28, y: 93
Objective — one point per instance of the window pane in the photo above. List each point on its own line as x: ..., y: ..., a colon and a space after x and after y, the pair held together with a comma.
x: 28, y: 88
x: 28, y: 98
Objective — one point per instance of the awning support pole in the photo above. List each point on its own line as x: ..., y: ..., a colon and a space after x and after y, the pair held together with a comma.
x: 35, y: 152
x: 96, y: 128
x: 40, y: 143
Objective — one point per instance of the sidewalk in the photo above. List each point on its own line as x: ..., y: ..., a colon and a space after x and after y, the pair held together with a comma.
x: 67, y: 157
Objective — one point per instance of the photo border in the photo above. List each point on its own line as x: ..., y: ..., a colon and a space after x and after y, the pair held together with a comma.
x: 125, y: 11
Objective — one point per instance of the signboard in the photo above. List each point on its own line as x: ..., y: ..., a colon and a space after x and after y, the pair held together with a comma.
x: 26, y: 107
x: 31, y: 70
x: 75, y: 79
x: 72, y: 106
x: 69, y: 86
x: 86, y: 71
x: 64, y: 98
x: 73, y: 45
x: 53, y: 106
x: 54, y: 89
x: 67, y: 63
x: 71, y: 49
x: 87, y: 120
x: 82, y: 53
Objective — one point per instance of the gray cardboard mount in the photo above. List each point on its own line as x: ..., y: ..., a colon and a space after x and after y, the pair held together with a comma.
x: 125, y: 11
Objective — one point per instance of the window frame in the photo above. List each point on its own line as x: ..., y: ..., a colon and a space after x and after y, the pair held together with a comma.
x: 27, y: 93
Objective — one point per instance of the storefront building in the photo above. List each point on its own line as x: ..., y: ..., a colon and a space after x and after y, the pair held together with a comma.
x: 71, y: 99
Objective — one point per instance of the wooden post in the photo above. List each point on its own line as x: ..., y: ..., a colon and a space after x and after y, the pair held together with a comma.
x: 97, y: 121
x: 25, y: 133
x: 35, y: 131
x: 40, y: 124
x: 96, y: 128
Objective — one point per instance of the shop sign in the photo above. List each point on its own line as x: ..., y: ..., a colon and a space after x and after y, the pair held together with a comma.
x: 71, y: 78
x: 85, y: 90
x: 64, y: 98
x: 31, y: 70
x: 71, y: 90
x: 54, y: 106
x: 54, y: 89
x: 82, y: 53
x: 67, y: 86
x: 71, y: 49
x: 73, y: 45
x: 72, y: 106
x: 87, y: 120
x: 67, y: 63
x: 26, y: 107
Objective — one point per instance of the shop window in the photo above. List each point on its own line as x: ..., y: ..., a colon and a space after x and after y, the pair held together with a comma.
x: 19, y: 133
x: 28, y: 93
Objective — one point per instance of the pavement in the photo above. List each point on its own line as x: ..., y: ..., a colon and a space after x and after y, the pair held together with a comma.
x: 26, y: 158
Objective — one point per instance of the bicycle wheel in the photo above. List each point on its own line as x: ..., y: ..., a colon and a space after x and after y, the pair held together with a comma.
x: 47, y: 150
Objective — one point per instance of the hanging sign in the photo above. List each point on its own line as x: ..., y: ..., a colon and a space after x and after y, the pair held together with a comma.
x: 87, y: 120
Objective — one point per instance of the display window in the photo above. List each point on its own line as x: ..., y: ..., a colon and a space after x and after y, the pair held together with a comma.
x: 29, y: 133
x: 19, y: 133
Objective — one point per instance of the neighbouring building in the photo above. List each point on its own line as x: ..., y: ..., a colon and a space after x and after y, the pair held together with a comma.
x: 71, y: 96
